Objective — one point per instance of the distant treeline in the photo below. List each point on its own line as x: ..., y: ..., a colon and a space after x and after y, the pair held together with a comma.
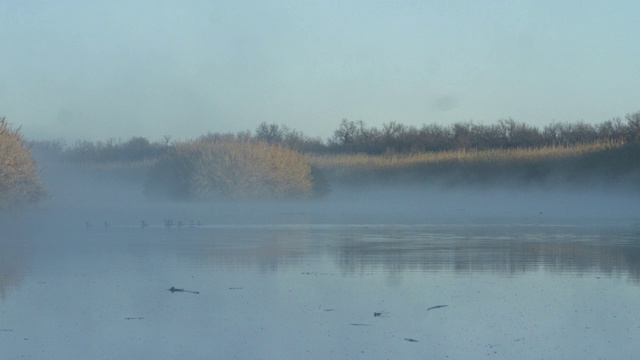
x: 133, y: 150
x: 357, y: 137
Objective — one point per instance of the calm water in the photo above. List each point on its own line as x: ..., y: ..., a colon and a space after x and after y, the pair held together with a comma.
x: 300, y: 282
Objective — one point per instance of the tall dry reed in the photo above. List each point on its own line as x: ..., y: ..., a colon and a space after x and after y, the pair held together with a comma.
x: 231, y: 169
x: 606, y: 159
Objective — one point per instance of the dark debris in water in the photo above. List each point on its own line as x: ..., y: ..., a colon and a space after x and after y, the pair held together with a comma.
x: 318, y: 274
x: 173, y: 290
x: 381, y: 314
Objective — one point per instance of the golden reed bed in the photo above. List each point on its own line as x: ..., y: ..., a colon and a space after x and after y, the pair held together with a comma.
x: 364, y: 161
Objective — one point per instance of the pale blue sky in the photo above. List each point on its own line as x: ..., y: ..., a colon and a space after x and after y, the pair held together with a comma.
x: 79, y: 69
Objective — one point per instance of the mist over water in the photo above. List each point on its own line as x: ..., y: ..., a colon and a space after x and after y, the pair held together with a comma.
x: 524, y: 273
x: 97, y: 196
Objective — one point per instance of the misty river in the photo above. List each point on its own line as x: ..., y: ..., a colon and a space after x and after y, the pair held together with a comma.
x: 324, y: 280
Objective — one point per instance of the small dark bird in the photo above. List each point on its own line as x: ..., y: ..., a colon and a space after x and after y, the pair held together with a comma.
x: 143, y: 224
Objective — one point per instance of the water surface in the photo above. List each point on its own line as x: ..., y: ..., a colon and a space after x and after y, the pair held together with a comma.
x: 297, y: 282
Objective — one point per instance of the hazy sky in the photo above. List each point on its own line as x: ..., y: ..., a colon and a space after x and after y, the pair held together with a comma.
x: 100, y: 69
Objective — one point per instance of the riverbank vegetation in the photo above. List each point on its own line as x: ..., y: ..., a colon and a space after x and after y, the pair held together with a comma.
x: 19, y: 182
x: 275, y: 161
x: 605, y: 163
x: 356, y: 137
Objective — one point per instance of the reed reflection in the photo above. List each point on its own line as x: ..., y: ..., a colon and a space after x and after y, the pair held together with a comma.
x: 264, y: 248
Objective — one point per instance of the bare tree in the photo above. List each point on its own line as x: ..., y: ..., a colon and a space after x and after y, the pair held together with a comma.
x: 633, y: 121
x: 346, y: 132
x: 271, y: 133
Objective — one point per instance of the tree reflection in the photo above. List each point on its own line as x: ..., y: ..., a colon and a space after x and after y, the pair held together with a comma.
x: 508, y: 253
x: 359, y: 250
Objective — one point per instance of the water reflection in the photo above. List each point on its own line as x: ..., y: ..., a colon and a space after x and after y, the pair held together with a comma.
x: 15, y: 257
x: 260, y: 286
x: 499, y: 253
x: 359, y: 249
x: 264, y: 248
